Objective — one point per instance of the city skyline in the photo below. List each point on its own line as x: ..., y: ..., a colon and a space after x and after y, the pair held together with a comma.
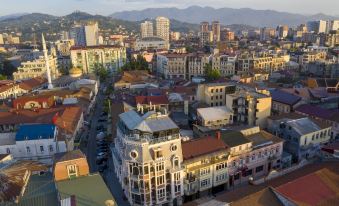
x: 107, y: 7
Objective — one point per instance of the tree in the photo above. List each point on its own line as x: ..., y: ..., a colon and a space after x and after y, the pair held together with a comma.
x: 101, y: 71
x: 8, y: 68
x: 138, y: 63
x: 210, y: 73
x: 3, y: 77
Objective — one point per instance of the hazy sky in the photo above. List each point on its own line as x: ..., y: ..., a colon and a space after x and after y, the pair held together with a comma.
x: 104, y: 7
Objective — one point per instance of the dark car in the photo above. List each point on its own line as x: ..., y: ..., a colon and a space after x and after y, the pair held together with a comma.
x: 102, y: 167
x: 102, y: 120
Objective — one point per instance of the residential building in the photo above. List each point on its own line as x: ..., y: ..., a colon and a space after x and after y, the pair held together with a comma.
x: 86, y: 35
x: 214, y: 117
x: 303, y: 136
x: 151, y: 43
x: 324, y: 115
x: 267, y: 34
x: 172, y: 66
x: 196, y: 64
x: 226, y: 35
x: 163, y: 28
x: 148, y: 159
x: 33, y: 142
x: 317, y: 26
x: 205, y: 163
x: 250, y: 107
x: 146, y: 29
x: 75, y: 185
x: 216, y: 31
x: 36, y: 68
x: 253, y: 153
x: 90, y: 57
x: 10, y: 90
x: 204, y: 27
x: 225, y: 64
x: 145, y: 104
x: 282, y: 31
x: 283, y: 102
x: 64, y: 47
x: 214, y: 94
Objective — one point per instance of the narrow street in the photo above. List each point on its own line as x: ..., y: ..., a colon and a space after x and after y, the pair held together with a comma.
x: 108, y: 175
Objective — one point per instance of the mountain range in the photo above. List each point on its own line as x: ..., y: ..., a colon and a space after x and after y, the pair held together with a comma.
x: 226, y: 16
x: 28, y: 24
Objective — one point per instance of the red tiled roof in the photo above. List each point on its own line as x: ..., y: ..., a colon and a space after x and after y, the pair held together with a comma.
x: 69, y: 119
x: 318, y: 188
x: 33, y: 83
x: 202, y: 146
x: 151, y: 99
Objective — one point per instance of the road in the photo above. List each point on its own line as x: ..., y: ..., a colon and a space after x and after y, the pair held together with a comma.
x: 108, y: 175
x: 91, y: 142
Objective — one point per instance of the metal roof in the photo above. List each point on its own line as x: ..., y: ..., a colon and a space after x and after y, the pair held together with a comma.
x: 150, y: 122
x: 35, y: 131
x: 303, y: 126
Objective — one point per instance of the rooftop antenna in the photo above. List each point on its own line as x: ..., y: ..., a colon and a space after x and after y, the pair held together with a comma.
x: 48, y: 71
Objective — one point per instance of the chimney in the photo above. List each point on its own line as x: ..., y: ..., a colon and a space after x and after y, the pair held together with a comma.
x: 218, y: 135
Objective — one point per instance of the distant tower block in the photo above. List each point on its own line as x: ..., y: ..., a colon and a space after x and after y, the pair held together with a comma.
x: 48, y: 71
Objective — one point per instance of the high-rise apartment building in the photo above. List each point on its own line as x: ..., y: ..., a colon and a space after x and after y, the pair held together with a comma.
x: 204, y: 27
x: 216, y: 31
x: 148, y: 159
x: 163, y: 28
x: 332, y: 25
x: 317, y: 26
x: 85, y: 35
x: 282, y: 31
x: 146, y: 29
x: 267, y: 33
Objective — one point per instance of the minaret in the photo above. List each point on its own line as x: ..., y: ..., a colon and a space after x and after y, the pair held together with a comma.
x: 48, y: 71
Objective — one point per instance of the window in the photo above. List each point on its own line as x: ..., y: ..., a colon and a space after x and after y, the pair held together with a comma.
x: 72, y: 171
x: 205, y: 182
x: 259, y: 169
x: 161, y: 193
x: 247, y: 173
x: 160, y: 180
x: 160, y: 166
x: 217, y: 90
x: 133, y: 154
x: 8, y: 151
x: 174, y: 148
x: 253, y: 157
x: 177, y: 188
x: 50, y: 147
x: 205, y: 171
x: 221, y: 166
x: 177, y: 176
x: 28, y: 149
x: 42, y: 149
x: 212, y: 90
x: 220, y: 177
x: 175, y: 162
x: 158, y: 154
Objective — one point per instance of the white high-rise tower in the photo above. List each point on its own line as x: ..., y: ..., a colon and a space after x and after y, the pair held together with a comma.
x: 48, y: 71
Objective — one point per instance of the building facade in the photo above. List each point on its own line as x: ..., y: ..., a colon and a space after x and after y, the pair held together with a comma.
x: 36, y: 68
x: 163, y: 28
x: 88, y: 58
x: 148, y: 159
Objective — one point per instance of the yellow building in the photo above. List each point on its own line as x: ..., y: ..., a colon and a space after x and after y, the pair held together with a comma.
x: 250, y: 107
x: 214, y: 94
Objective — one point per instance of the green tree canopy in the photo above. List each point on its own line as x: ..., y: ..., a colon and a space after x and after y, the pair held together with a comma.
x: 211, y: 74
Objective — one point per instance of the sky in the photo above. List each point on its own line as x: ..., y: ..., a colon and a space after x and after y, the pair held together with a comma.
x: 106, y: 7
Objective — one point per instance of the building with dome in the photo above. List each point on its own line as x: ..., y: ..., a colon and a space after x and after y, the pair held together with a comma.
x: 75, y: 72
x: 151, y: 43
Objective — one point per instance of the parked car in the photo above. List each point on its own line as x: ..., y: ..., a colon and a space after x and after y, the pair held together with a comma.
x: 102, y: 120
x: 102, y: 167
